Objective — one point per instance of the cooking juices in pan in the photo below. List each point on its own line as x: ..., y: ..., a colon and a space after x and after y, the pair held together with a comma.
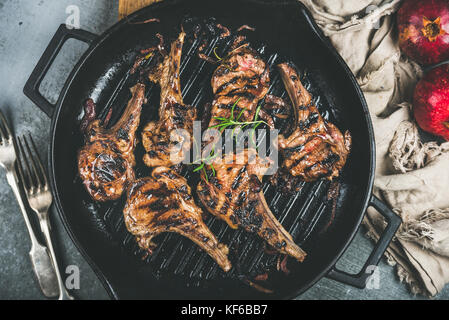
x: 184, y: 258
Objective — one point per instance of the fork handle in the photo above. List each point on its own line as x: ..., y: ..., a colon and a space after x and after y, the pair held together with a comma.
x: 45, y: 228
x: 39, y: 255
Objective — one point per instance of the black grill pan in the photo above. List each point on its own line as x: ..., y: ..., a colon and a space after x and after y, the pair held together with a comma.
x: 285, y: 31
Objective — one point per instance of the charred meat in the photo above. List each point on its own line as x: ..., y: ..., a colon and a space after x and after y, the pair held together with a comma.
x: 316, y: 148
x: 242, y: 78
x: 167, y: 141
x: 234, y: 194
x: 106, y: 161
x: 163, y: 203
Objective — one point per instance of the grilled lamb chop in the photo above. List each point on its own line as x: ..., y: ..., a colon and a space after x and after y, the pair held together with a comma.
x: 163, y: 203
x: 234, y: 194
x: 316, y: 149
x: 242, y: 76
x: 106, y: 161
x: 165, y: 144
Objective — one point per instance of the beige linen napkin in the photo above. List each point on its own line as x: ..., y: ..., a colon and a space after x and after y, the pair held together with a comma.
x: 411, y: 176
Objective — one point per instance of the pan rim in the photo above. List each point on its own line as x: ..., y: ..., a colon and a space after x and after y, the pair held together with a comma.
x: 106, y: 35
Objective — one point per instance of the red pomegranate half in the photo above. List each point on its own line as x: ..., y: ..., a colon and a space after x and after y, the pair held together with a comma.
x: 424, y: 30
x: 431, y: 102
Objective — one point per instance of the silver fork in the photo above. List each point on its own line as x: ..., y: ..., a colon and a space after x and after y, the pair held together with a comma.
x: 39, y: 255
x: 39, y: 197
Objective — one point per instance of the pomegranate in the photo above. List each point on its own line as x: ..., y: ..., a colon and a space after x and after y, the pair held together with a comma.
x: 424, y: 30
x: 431, y: 102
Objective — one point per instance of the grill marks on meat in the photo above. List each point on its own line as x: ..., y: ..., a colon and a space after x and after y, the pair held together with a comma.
x: 163, y: 203
x: 235, y: 195
x: 316, y: 149
x: 106, y: 161
x: 165, y: 145
x: 241, y: 75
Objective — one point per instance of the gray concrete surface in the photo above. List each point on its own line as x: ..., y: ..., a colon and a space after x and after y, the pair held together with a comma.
x: 27, y: 26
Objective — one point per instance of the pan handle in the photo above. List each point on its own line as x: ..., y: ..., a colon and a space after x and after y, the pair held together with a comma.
x: 360, y: 279
x: 31, y: 89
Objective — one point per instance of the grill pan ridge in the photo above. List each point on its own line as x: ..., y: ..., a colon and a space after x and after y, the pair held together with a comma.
x: 178, y: 268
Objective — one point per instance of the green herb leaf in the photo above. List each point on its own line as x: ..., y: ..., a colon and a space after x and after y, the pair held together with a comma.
x: 225, y: 123
x: 232, y: 112
x: 205, y: 174
x: 199, y: 168
x: 217, y: 125
x: 216, y: 55
x: 257, y: 112
x: 241, y: 113
x: 220, y: 118
x: 224, y: 128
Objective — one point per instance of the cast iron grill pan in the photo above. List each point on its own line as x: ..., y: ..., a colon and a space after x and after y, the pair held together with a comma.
x: 300, y: 213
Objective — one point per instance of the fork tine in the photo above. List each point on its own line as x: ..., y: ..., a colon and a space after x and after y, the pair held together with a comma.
x: 3, y: 124
x: 39, y: 162
x: 24, y: 174
x: 32, y: 158
x: 20, y: 169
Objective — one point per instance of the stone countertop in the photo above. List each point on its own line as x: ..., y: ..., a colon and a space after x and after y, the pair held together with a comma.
x: 27, y: 27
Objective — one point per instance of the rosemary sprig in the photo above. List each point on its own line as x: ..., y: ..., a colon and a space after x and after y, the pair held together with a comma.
x: 202, y: 162
x: 227, y: 123
x: 235, y: 123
